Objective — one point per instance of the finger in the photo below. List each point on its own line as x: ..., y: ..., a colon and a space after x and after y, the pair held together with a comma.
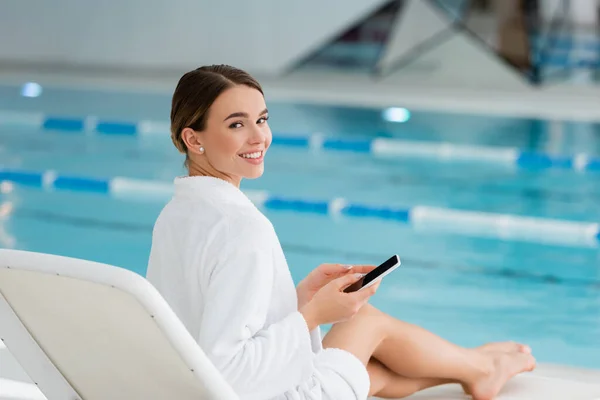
x: 345, y: 270
x: 347, y: 280
x: 364, y: 294
x: 334, y: 269
x: 363, y: 269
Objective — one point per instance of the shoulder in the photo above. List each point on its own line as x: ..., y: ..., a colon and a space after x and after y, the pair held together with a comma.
x: 244, y: 248
x: 215, y: 226
x: 246, y: 225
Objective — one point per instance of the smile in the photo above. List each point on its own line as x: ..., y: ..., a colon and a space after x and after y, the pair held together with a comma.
x: 257, y: 154
x: 255, y: 158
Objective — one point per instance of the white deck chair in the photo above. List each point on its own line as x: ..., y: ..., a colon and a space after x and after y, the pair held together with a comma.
x: 83, y: 330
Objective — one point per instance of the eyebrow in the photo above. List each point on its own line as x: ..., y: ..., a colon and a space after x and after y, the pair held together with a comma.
x: 243, y: 114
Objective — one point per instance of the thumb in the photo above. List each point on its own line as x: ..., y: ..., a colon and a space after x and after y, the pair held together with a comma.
x: 347, y: 280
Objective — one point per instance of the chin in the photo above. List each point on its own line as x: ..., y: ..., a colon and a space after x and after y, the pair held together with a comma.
x: 255, y: 173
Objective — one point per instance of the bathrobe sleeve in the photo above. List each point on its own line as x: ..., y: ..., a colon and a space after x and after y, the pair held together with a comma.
x: 259, y: 361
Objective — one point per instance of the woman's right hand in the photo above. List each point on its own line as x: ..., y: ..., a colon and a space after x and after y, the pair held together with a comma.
x: 331, y: 304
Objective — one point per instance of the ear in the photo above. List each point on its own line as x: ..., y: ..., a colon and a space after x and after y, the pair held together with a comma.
x: 191, y: 140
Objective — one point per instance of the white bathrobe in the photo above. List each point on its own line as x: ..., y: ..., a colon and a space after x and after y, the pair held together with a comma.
x: 217, y: 261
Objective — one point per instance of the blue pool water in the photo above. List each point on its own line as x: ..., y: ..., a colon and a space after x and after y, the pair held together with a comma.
x: 466, y: 288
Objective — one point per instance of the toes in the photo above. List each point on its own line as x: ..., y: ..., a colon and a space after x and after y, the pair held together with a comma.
x: 528, y: 362
x: 514, y: 347
x: 523, y: 348
x: 533, y: 364
x: 507, y: 347
x: 510, y: 347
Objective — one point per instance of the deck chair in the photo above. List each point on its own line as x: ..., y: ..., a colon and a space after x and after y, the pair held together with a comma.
x: 84, y: 330
x: 89, y: 331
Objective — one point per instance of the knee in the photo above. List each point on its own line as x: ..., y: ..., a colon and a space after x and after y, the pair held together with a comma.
x: 371, y: 311
x: 372, y: 315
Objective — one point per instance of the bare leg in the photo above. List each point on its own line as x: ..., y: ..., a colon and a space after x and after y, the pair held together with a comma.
x: 385, y: 383
x: 413, y: 352
x: 507, y: 347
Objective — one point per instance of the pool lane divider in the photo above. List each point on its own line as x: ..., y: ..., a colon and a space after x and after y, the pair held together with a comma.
x: 382, y: 147
x: 503, y: 226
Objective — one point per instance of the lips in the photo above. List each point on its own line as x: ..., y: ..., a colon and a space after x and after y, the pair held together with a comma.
x: 254, y: 157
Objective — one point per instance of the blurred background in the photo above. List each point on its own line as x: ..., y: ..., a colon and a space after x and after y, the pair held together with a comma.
x: 461, y: 135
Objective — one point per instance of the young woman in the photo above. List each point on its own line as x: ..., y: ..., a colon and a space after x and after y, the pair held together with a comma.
x: 217, y: 261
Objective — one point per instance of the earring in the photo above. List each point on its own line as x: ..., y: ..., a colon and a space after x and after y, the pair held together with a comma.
x: 201, y: 149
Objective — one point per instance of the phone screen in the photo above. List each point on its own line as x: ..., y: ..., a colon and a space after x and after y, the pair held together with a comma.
x: 371, y: 276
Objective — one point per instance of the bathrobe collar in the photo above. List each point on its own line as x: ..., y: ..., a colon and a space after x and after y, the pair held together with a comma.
x: 208, y: 186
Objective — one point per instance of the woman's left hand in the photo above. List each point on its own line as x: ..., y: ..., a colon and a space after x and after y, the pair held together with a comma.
x: 324, y: 274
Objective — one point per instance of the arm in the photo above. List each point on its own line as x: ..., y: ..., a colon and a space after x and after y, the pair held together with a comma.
x: 254, y: 358
x: 315, y: 280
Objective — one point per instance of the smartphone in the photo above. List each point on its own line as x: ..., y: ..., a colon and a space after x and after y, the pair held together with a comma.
x: 378, y: 273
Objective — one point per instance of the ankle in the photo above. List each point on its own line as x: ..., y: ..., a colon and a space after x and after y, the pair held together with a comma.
x: 481, y: 366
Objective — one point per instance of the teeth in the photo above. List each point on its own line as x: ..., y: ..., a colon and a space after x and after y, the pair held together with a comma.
x: 252, y: 155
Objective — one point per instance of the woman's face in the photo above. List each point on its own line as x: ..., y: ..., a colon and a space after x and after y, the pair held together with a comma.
x: 237, y: 136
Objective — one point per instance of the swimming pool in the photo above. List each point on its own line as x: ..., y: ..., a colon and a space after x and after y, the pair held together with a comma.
x: 460, y: 278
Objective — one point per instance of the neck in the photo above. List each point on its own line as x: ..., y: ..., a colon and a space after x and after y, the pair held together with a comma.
x: 195, y: 169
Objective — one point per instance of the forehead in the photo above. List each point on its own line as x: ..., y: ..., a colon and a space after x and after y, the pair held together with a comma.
x: 239, y: 98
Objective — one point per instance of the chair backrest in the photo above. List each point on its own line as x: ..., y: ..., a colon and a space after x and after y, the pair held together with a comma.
x: 85, y: 330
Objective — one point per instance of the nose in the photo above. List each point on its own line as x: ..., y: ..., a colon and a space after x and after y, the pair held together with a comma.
x: 259, y: 135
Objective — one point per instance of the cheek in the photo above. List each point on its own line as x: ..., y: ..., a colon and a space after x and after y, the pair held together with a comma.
x: 225, y: 146
x: 269, y: 138
x: 233, y: 148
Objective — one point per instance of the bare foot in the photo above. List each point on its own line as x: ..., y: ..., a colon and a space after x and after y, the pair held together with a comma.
x: 504, y: 367
x: 506, y: 347
x: 495, y: 347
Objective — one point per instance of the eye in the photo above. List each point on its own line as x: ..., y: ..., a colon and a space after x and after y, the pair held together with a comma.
x: 235, y: 125
x: 262, y: 120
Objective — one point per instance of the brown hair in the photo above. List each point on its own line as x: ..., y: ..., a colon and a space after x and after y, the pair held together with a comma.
x: 195, y: 94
